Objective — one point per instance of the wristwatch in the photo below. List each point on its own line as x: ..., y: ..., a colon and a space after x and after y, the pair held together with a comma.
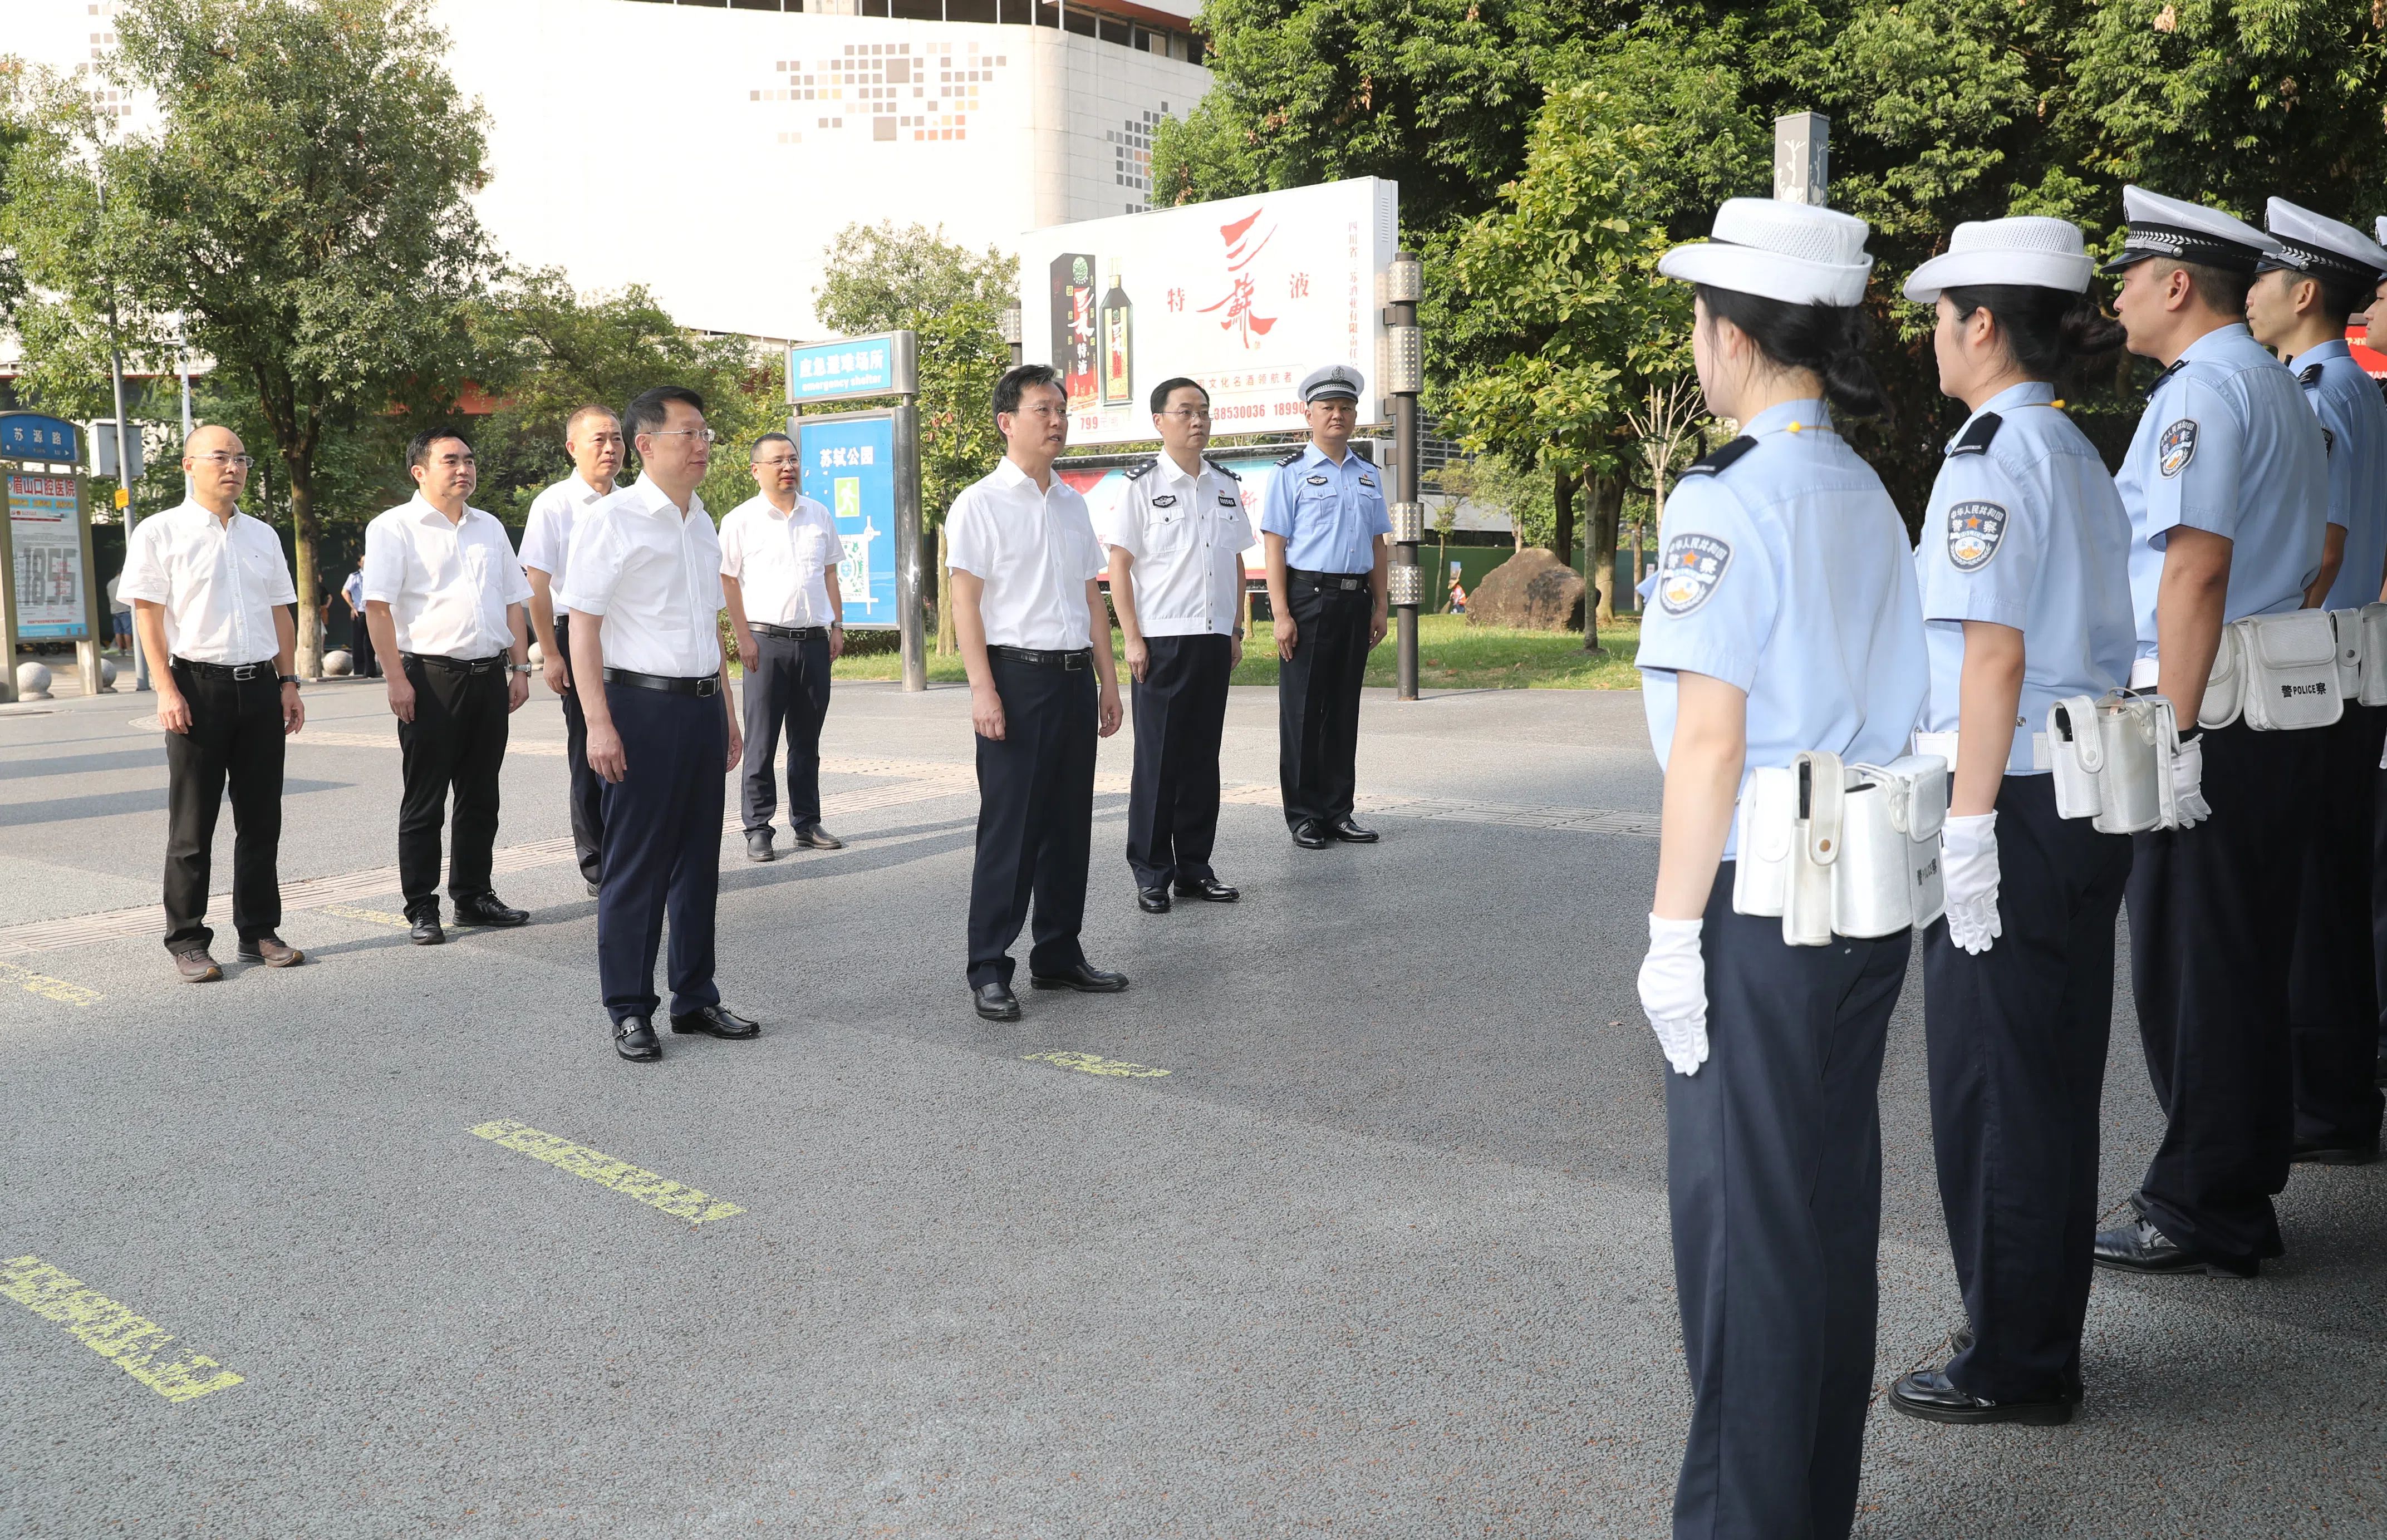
x: 290, y: 679
x: 521, y: 668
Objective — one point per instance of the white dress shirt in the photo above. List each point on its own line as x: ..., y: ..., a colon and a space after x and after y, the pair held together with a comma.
x: 655, y: 578
x: 780, y: 560
x: 447, y: 584
x: 1182, y: 533
x: 547, y: 533
x: 217, y: 580
x: 1034, y: 551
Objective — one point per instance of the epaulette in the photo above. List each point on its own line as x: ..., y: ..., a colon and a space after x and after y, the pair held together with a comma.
x: 1222, y: 470
x: 1977, y: 435
x: 2167, y: 374
x: 1717, y: 460
x: 1142, y: 470
x: 1294, y: 458
x: 2309, y: 376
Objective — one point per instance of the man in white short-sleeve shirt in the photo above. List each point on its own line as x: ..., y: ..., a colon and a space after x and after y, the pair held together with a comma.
x: 1035, y: 639
x: 212, y: 593
x: 592, y: 437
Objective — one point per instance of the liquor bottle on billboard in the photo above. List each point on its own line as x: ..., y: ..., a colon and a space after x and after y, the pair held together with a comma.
x: 1118, y: 344
x: 1073, y: 326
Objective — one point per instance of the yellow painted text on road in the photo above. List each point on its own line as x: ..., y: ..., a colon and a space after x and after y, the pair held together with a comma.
x: 1094, y: 1064
x: 682, y: 1203
x: 46, y: 987
x: 132, y: 1342
x: 375, y: 916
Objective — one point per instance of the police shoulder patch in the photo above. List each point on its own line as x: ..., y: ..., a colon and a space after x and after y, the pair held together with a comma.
x: 2177, y: 446
x: 1974, y: 530
x: 1142, y: 470
x: 1690, y: 570
x: 1720, y: 458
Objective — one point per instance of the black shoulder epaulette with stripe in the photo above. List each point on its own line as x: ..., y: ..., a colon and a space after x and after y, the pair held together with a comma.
x: 1142, y: 470
x: 2309, y: 376
x: 1717, y: 460
x: 2167, y: 374
x: 1977, y: 435
x: 1294, y: 458
x: 1222, y: 470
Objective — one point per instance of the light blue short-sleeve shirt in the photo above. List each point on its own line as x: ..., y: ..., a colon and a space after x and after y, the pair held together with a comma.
x: 2354, y: 432
x: 1783, y: 569
x: 2026, y: 529
x: 1330, y: 515
x: 2227, y: 446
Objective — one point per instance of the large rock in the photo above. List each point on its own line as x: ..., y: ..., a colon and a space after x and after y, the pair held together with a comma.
x: 1533, y: 591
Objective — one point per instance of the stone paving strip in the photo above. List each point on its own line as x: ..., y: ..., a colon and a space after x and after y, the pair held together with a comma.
x: 632, y: 1181
x: 132, y: 1342
x: 911, y: 780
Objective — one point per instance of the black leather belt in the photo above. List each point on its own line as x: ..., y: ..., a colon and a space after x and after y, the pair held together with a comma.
x: 1082, y: 658
x: 1329, y: 579
x: 457, y: 665
x: 242, y: 672
x: 792, y: 633
x: 703, y: 684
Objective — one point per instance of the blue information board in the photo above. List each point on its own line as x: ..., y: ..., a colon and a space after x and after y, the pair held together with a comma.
x: 31, y: 436
x: 848, y: 466
x: 851, y: 368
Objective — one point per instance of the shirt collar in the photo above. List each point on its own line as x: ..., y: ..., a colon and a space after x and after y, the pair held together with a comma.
x: 584, y: 493
x: 2217, y: 342
x: 1172, y: 474
x: 2321, y: 352
x: 194, y: 516
x: 1313, y: 455
x: 647, y: 498
x: 1782, y: 415
x: 428, y: 513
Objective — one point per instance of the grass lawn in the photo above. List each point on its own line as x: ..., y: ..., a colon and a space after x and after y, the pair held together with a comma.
x: 1451, y: 655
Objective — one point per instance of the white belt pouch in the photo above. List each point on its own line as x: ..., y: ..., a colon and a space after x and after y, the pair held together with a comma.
x: 2371, y: 619
x: 1852, y: 850
x: 2291, y: 664
x: 2113, y: 760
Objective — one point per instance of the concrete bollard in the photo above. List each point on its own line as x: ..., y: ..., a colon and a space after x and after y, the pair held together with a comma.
x: 32, y: 681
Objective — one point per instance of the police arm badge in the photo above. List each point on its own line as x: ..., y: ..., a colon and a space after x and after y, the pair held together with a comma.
x: 2177, y: 446
x: 1689, y: 571
x: 1974, y: 530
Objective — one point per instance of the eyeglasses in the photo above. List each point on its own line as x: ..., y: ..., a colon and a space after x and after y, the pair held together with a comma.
x: 223, y: 461
x: 1189, y: 414
x: 777, y: 463
x: 704, y: 435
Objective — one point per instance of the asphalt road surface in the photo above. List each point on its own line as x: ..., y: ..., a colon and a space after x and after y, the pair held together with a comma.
x: 392, y: 1244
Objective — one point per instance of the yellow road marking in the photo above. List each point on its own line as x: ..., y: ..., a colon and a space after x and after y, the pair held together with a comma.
x: 683, y: 1203
x: 375, y: 916
x: 1094, y: 1064
x: 132, y: 1342
x: 46, y: 987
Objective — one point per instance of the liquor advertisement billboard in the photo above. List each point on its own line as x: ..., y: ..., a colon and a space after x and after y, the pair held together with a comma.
x: 1246, y: 294
x: 848, y: 464
x: 46, y: 549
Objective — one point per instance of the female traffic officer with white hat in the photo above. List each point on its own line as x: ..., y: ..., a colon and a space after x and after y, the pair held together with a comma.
x: 2025, y: 566
x: 1786, y: 623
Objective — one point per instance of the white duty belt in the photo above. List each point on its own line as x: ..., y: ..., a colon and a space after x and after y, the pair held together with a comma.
x: 2292, y: 671
x: 1842, y: 849
x: 2113, y: 760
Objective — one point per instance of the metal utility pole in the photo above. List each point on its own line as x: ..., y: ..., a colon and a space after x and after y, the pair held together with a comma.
x: 1011, y: 335
x: 182, y: 367
x: 123, y: 455
x: 1404, y: 378
x: 911, y: 609
x: 1802, y: 157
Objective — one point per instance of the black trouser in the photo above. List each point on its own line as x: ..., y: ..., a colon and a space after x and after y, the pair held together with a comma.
x: 1317, y: 696
x: 588, y: 786
x: 2213, y: 920
x: 662, y: 850
x: 235, y: 736
x: 1035, y: 817
x: 457, y: 741
x: 2016, y: 1037
x: 789, y: 683
x: 1180, y: 713
x: 2332, y: 985
x: 1774, y: 1183
x: 363, y: 662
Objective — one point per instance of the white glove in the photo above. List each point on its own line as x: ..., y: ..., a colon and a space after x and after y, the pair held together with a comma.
x: 1968, y: 874
x: 1674, y: 992
x: 2188, y: 784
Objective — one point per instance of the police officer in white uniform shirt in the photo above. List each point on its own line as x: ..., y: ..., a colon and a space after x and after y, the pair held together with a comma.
x: 2323, y: 272
x: 444, y: 599
x: 211, y: 594
x: 1323, y: 519
x: 1037, y: 643
x: 1176, y: 543
x: 593, y: 438
x: 2024, y: 573
x: 779, y: 552
x: 646, y: 588
x: 2227, y: 486
x: 1786, y: 622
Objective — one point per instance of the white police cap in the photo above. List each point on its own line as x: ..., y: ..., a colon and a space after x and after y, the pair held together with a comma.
x: 2315, y: 246
x: 1336, y: 382
x: 1793, y: 252
x: 2029, y: 249
x: 2159, y: 226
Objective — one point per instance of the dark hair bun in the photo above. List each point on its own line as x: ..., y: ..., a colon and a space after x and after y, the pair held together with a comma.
x: 1830, y: 340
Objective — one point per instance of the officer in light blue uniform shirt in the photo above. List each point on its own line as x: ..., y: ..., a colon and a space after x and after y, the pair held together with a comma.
x: 2025, y: 568
x: 1786, y: 621
x: 2323, y: 271
x: 2227, y: 485
x: 1323, y: 522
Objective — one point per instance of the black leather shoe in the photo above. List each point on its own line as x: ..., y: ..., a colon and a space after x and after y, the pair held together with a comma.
x: 1209, y: 889
x: 593, y: 889
x: 1931, y: 1396
x: 425, y: 930
x: 1961, y: 1341
x: 2307, y: 1154
x: 634, y: 1038
x: 1152, y: 900
x: 995, y: 1002
x: 1310, y: 835
x: 1351, y: 833
x: 1085, y: 979
x: 2138, y: 1246
x: 812, y: 836
x: 2378, y: 1072
x: 487, y: 909
x: 717, y: 1021
x: 758, y: 845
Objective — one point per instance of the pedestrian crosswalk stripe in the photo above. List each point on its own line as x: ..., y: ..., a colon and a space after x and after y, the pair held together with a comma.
x: 46, y: 987
x: 133, y: 1342
x: 1094, y: 1064
x: 658, y: 1192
